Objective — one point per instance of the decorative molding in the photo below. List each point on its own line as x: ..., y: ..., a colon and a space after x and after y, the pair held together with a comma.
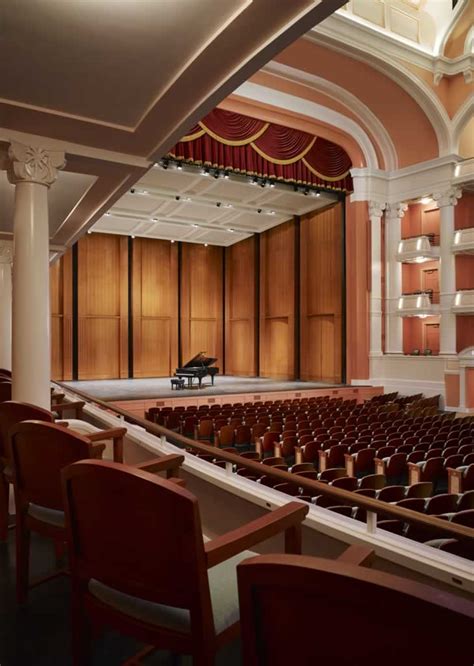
x: 342, y: 96
x: 6, y: 252
x: 376, y: 209
x: 395, y: 211
x: 381, y: 60
x: 448, y: 198
x: 32, y: 164
x: 312, y: 110
x: 443, y: 66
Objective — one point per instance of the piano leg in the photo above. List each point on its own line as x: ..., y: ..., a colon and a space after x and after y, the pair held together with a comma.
x: 190, y: 382
x: 212, y: 380
x: 200, y: 382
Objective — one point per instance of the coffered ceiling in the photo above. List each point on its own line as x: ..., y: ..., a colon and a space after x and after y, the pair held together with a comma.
x: 187, y: 205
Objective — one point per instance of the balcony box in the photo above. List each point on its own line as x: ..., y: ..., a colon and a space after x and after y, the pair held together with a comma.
x: 416, y: 305
x: 463, y: 241
x: 417, y: 250
x: 464, y: 302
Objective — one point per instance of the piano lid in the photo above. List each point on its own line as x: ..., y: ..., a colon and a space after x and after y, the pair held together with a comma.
x: 200, y: 359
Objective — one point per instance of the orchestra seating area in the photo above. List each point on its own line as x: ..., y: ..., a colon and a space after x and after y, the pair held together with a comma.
x: 400, y: 450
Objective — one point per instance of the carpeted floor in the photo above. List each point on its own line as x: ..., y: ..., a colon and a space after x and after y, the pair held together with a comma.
x: 38, y: 634
x: 142, y: 389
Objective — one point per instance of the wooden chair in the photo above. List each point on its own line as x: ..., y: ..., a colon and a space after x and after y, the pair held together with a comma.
x: 372, y: 618
x: 38, y: 453
x: 139, y: 563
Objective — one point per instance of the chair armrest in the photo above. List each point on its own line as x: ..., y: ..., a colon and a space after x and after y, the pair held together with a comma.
x: 349, y: 463
x: 63, y: 424
x: 116, y: 434
x: 169, y: 464
x: 96, y: 450
x: 61, y: 407
x: 299, y: 450
x: 414, y: 473
x: 379, y: 466
x: 287, y: 518
x: 454, y: 480
x: 57, y: 396
x: 358, y: 555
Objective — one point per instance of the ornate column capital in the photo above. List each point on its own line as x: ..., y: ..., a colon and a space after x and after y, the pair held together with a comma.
x: 448, y: 198
x: 6, y: 252
x: 32, y: 164
x: 376, y: 208
x: 395, y: 210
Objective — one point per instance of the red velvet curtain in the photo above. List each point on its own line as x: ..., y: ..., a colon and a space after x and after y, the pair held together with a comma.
x: 239, y: 143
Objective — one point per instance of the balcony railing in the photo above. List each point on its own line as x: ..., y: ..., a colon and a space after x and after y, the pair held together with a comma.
x: 418, y: 304
x: 463, y: 241
x: 418, y: 249
x: 464, y: 302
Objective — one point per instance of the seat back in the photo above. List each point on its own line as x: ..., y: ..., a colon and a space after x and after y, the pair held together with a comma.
x: 39, y: 451
x: 136, y: 533
x: 11, y: 413
x: 5, y: 391
x: 281, y: 595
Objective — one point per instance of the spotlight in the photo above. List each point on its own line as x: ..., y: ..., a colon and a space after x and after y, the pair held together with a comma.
x: 272, y: 184
x: 179, y: 166
x: 226, y: 175
x: 177, y: 197
x: 165, y: 163
x: 263, y: 182
x: 218, y: 204
x: 195, y: 226
x: 254, y: 180
x: 306, y: 191
x: 259, y: 210
x: 132, y: 191
x: 216, y: 174
x: 205, y: 244
x: 172, y: 241
x: 231, y: 230
x: 205, y: 171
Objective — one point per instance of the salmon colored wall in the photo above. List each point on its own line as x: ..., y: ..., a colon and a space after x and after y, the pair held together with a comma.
x: 466, y: 140
x: 357, y: 290
x: 412, y: 275
x: 413, y: 333
x: 470, y: 388
x: 451, y: 386
x: 464, y: 211
x: 407, y: 124
x: 420, y: 219
x: 464, y: 332
x: 465, y: 271
x: 298, y: 90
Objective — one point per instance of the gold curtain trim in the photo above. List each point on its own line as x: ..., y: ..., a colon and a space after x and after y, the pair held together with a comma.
x: 191, y: 137
x: 292, y: 160
x: 320, y: 175
x: 227, y: 142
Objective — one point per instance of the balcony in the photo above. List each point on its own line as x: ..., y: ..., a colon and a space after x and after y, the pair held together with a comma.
x: 464, y: 302
x: 418, y: 249
x: 463, y: 241
x: 418, y: 304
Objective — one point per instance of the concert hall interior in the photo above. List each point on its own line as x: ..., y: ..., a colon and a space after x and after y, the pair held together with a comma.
x: 236, y: 332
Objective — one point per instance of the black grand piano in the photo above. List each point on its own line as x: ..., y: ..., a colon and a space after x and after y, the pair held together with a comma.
x: 198, y: 367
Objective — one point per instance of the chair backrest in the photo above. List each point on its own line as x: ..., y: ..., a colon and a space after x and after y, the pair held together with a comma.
x: 39, y: 451
x: 281, y: 595
x: 5, y: 390
x: 11, y: 413
x: 138, y: 534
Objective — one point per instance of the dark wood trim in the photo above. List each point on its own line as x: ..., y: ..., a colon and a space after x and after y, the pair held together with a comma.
x: 130, y: 306
x: 257, y: 305
x: 179, y: 283
x: 75, y: 311
x: 223, y: 312
x: 297, y: 309
x: 342, y: 198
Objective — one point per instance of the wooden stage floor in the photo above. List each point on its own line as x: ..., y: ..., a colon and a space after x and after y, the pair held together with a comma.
x: 160, y: 388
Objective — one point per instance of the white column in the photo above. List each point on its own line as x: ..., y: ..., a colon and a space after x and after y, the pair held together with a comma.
x: 447, y: 265
x: 375, y: 214
x: 6, y: 254
x: 32, y: 170
x: 393, y: 278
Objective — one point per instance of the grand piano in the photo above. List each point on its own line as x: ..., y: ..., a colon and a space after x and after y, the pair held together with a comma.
x: 198, y: 367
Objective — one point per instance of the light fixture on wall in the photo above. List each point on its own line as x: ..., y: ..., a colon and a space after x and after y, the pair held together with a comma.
x: 172, y: 241
x: 426, y: 200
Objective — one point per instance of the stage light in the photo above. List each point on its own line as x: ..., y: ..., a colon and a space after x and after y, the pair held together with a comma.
x: 218, y: 204
x: 259, y: 210
x: 195, y: 226
x: 165, y: 163
x: 216, y: 174
x: 205, y: 244
x: 172, y: 241
x: 205, y: 171
x: 426, y: 200
x: 231, y: 230
x: 226, y: 175
x: 179, y: 166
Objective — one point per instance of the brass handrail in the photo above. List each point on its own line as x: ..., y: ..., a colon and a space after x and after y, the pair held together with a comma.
x: 315, y: 487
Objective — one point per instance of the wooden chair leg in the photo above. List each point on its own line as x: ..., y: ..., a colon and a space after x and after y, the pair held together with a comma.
x: 22, y: 561
x: 4, y: 489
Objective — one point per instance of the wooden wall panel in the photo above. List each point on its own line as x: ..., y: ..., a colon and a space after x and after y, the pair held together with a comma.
x: 277, y: 302
x: 60, y: 276
x: 102, y: 307
x: 241, y: 308
x: 155, y: 308
x: 202, y: 302
x: 321, y: 295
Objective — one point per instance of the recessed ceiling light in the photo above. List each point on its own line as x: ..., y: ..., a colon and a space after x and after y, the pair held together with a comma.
x: 132, y: 236
x: 172, y: 241
x: 155, y: 219
x: 426, y: 200
x: 228, y: 205
x: 186, y: 199
x: 205, y: 244
x: 271, y: 212
x: 231, y: 230
x: 90, y: 231
x: 195, y: 226
x: 107, y: 214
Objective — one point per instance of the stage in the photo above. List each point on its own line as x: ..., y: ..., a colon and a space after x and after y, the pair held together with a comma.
x: 138, y: 395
